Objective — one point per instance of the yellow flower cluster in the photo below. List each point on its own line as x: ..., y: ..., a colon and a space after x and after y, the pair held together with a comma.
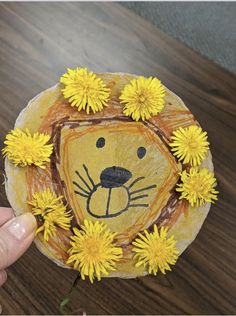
x: 155, y: 251
x: 190, y: 144
x: 24, y: 149
x: 142, y: 97
x: 85, y: 90
x: 93, y: 252
x: 50, y: 212
x: 197, y: 187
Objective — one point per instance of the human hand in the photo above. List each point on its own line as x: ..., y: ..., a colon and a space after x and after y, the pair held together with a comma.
x: 16, y: 235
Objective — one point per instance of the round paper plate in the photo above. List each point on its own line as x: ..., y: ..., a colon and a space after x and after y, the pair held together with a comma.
x: 92, y: 150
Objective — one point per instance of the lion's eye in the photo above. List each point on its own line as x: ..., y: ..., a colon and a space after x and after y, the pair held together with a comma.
x: 100, y: 142
x: 141, y: 152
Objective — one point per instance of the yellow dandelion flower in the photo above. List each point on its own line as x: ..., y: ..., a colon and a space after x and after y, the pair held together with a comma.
x: 24, y: 149
x: 143, y: 98
x: 190, y: 144
x: 155, y: 251
x: 85, y: 90
x: 93, y: 251
x: 51, y: 213
x: 197, y: 186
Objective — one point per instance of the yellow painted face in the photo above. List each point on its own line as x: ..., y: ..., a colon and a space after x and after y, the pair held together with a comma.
x: 118, y: 172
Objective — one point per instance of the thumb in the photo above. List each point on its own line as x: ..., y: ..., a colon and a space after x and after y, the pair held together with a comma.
x: 15, y: 237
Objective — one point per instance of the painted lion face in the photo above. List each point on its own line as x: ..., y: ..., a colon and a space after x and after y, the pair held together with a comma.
x: 118, y: 171
x: 109, y: 169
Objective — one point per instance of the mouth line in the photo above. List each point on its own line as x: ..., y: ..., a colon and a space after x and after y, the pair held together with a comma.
x: 107, y: 214
x: 108, y: 201
x: 87, y: 187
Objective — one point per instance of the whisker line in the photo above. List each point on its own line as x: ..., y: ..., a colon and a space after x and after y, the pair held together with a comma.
x: 78, y: 186
x: 78, y: 174
x: 135, y: 181
x: 139, y: 197
x: 90, y: 178
x: 138, y: 205
x: 84, y: 195
x: 144, y: 189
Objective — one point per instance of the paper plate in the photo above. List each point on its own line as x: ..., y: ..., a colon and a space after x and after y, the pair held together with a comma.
x: 90, y: 151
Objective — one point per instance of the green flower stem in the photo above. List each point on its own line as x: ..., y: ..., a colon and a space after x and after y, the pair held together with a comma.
x: 66, y: 299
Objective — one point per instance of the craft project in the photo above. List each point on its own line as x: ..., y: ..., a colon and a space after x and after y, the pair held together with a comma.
x: 116, y: 170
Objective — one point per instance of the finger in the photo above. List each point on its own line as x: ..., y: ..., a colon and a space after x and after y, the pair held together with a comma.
x: 6, y: 214
x: 15, y: 237
x: 3, y: 277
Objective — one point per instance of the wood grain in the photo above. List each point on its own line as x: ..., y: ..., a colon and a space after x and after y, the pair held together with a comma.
x: 38, y: 41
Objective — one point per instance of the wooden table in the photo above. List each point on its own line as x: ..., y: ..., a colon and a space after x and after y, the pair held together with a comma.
x: 38, y: 41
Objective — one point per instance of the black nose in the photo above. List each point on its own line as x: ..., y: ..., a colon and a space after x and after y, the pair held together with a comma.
x: 114, y: 177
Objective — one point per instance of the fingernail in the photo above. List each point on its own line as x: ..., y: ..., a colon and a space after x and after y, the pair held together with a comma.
x: 21, y: 226
x: 3, y: 278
